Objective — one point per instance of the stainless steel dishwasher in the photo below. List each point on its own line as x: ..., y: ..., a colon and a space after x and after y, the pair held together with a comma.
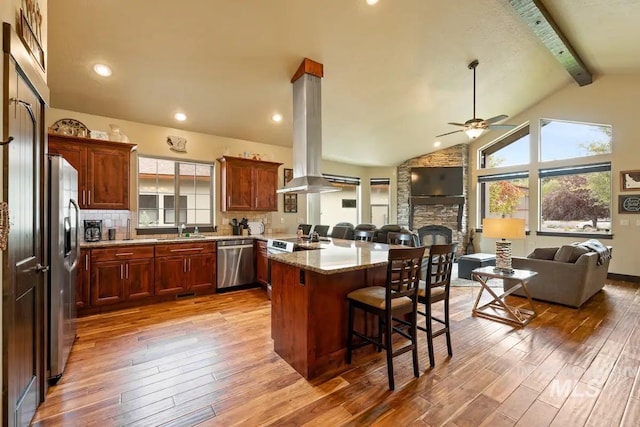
x: 235, y: 263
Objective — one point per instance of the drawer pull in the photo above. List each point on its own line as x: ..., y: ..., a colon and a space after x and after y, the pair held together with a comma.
x: 184, y: 250
x: 124, y: 253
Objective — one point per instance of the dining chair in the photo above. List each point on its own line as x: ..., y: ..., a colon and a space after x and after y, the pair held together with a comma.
x: 364, y: 235
x: 399, y: 238
x: 306, y: 229
x: 322, y: 230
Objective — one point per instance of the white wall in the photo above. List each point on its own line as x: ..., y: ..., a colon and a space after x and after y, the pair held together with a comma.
x: 608, y: 100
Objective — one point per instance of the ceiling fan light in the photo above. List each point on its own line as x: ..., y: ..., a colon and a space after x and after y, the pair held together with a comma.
x: 473, y: 133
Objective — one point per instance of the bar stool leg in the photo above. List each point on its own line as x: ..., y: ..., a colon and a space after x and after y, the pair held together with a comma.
x: 350, y: 333
x: 429, y: 327
x: 414, y: 343
x: 446, y: 325
x: 387, y: 338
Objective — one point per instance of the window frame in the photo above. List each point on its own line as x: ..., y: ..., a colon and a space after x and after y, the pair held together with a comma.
x: 204, y: 227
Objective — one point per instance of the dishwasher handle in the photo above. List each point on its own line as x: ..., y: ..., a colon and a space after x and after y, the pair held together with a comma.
x: 224, y: 248
x: 236, y: 242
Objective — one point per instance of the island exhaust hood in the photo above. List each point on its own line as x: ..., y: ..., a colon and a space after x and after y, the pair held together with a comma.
x: 307, y: 132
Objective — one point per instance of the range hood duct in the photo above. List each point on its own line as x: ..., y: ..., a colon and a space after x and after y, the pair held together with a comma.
x: 307, y: 132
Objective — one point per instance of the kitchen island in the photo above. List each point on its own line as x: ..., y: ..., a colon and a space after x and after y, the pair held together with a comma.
x: 308, y: 304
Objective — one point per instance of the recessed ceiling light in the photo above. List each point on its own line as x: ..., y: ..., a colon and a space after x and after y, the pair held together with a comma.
x: 437, y: 144
x: 181, y: 117
x: 277, y: 117
x: 102, y: 70
x: 372, y: 2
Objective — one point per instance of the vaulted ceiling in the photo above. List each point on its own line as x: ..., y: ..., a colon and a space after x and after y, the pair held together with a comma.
x: 394, y: 73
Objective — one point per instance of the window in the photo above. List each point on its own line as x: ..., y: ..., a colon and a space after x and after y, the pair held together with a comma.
x: 568, y: 140
x: 379, y: 201
x: 504, y: 189
x: 511, y: 150
x: 573, y: 171
x: 167, y: 186
x: 576, y: 199
x: 332, y: 210
x: 505, y: 195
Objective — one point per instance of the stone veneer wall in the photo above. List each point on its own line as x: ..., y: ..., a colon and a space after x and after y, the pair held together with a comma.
x: 445, y: 215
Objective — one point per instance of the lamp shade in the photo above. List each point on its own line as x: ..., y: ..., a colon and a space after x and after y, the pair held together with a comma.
x: 503, y: 228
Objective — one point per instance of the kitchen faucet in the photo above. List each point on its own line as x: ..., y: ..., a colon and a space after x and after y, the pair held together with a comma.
x: 181, y: 229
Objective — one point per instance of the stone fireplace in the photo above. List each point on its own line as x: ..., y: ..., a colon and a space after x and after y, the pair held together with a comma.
x: 436, y: 218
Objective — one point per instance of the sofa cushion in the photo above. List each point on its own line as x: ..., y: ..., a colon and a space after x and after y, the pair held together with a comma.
x: 569, y: 253
x: 543, y: 253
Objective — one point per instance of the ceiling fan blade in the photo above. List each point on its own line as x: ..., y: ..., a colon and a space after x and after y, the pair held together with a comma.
x: 496, y: 119
x: 449, y: 133
x: 502, y: 126
x: 456, y: 124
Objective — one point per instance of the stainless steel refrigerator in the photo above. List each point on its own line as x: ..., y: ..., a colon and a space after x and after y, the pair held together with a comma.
x: 64, y: 253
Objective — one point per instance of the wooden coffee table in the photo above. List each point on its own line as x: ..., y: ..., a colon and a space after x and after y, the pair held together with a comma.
x: 491, y: 310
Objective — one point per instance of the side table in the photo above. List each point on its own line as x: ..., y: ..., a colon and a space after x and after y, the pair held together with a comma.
x: 512, y: 315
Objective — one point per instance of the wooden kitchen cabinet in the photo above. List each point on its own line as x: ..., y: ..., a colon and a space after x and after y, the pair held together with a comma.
x: 82, y: 285
x: 121, y: 274
x: 185, y: 267
x: 248, y: 185
x: 103, y: 169
x: 262, y: 263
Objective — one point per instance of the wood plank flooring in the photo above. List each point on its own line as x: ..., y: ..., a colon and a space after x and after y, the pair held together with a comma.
x: 210, y: 361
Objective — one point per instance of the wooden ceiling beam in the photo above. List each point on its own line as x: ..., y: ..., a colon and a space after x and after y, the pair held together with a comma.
x: 545, y: 28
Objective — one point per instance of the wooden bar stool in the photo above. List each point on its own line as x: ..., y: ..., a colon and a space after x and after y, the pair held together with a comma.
x: 399, y: 297
x: 435, y: 288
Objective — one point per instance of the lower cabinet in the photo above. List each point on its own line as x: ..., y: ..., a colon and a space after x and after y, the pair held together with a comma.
x: 262, y: 263
x: 121, y: 274
x: 185, y: 267
x: 111, y: 278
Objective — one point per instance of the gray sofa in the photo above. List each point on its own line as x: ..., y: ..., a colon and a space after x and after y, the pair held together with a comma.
x: 567, y: 283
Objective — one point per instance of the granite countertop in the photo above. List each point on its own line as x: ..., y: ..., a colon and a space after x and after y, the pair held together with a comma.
x: 336, y: 256
x: 160, y: 241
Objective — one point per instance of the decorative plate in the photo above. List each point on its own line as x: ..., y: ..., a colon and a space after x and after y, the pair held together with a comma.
x: 70, y: 127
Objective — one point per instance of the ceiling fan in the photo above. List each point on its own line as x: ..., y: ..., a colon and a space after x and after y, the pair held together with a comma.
x: 475, y: 127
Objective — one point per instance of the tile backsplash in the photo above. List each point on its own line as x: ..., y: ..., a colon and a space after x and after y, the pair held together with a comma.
x: 110, y: 219
x: 118, y: 219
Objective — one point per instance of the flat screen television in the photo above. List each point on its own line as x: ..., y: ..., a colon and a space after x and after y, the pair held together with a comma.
x: 439, y: 181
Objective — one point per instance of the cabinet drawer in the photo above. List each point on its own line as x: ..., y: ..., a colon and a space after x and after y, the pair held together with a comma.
x: 261, y: 246
x: 121, y: 253
x: 174, y: 249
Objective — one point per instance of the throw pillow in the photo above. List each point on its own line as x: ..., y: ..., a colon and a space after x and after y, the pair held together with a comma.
x: 569, y: 253
x: 543, y: 253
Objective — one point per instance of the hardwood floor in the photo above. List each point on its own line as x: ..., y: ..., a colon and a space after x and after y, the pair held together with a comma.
x: 210, y: 361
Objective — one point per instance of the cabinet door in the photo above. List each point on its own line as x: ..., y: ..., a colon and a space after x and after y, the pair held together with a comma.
x: 139, y: 278
x: 202, y: 271
x: 266, y: 184
x: 171, y: 277
x: 107, y: 178
x: 82, y: 288
x: 107, y: 283
x: 239, y: 187
x: 262, y: 263
x: 77, y: 156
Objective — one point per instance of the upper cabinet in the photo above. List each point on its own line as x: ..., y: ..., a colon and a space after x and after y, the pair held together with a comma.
x: 248, y: 185
x: 103, y: 169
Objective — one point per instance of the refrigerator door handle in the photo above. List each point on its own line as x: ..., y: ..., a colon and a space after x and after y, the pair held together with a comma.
x: 76, y: 246
x: 42, y: 268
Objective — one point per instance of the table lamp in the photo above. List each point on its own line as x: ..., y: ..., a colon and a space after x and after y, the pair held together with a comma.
x: 504, y: 229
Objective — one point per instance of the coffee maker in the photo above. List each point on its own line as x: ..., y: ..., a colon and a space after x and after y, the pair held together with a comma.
x: 92, y: 230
